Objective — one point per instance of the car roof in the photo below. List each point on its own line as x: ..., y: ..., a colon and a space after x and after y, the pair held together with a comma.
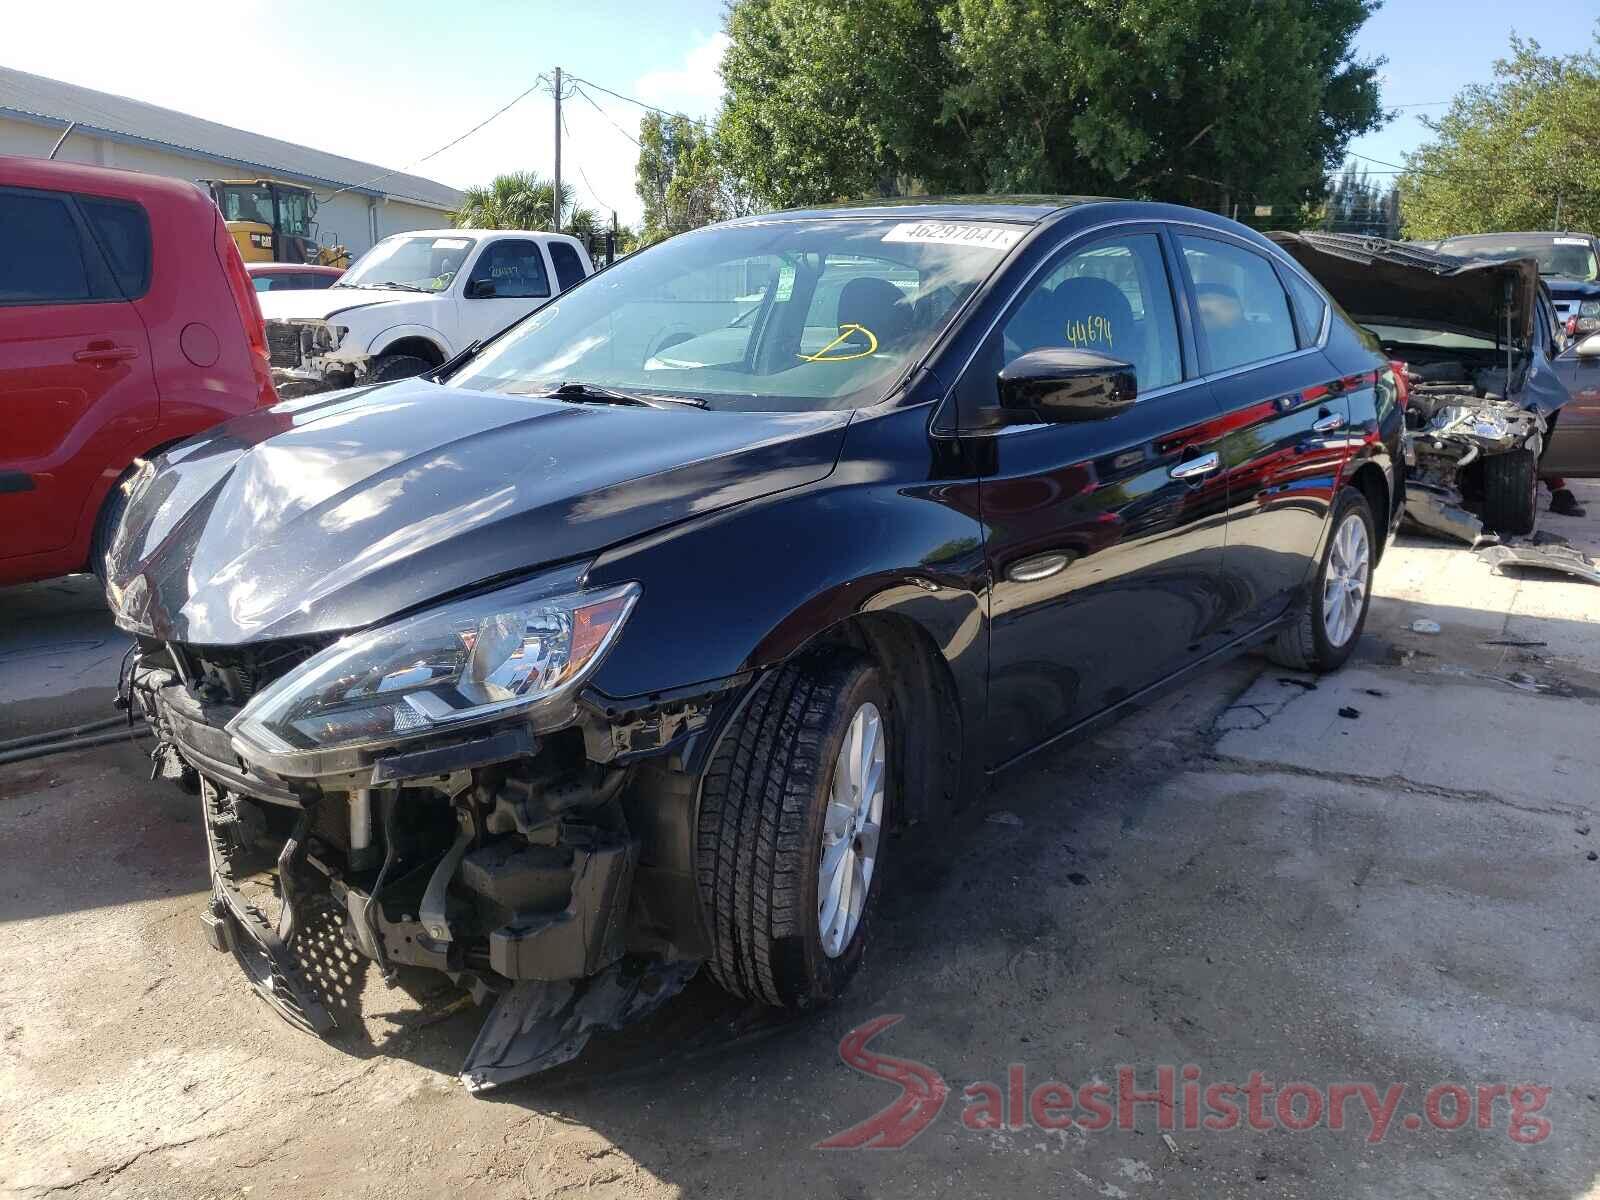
x: 105, y: 181
x: 537, y: 234
x: 1022, y: 209
x: 283, y: 268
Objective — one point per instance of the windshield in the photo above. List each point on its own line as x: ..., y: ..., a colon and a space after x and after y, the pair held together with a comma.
x: 1571, y: 257
x: 782, y: 316
x: 425, y: 264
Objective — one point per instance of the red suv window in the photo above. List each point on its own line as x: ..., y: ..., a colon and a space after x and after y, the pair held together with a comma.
x: 123, y: 231
x: 41, y: 251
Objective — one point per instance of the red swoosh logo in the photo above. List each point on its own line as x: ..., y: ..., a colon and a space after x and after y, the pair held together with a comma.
x: 922, y: 1093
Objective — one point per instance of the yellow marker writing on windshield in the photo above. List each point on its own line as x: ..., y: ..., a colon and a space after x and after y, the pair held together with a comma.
x: 844, y: 333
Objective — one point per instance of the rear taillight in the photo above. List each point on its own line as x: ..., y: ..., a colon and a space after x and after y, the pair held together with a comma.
x: 1402, y: 385
x: 249, y: 310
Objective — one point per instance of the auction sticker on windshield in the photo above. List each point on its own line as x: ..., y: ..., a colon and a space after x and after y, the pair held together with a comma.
x: 1571, y: 241
x: 956, y: 233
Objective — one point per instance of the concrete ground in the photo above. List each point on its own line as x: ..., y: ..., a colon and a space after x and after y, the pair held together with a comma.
x: 1383, y: 877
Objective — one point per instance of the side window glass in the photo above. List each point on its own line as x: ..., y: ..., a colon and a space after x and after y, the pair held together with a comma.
x: 41, y: 254
x: 1112, y: 297
x: 1242, y: 309
x: 515, y: 267
x: 262, y: 283
x: 123, y: 231
x: 569, y: 267
x: 1309, y: 307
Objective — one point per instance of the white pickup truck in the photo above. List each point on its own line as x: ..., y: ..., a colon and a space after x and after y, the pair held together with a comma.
x: 413, y: 301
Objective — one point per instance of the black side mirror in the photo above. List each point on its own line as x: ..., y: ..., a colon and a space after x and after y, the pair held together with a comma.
x: 1058, y: 385
x: 480, y: 289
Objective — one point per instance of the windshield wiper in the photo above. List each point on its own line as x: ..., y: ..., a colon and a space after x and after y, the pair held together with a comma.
x: 590, y: 393
x: 390, y: 283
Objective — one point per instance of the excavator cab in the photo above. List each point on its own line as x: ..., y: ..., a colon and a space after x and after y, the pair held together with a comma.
x: 273, y: 222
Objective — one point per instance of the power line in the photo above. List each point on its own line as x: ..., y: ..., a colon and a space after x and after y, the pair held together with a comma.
x: 607, y: 116
x: 537, y: 83
x: 632, y: 100
x: 582, y: 174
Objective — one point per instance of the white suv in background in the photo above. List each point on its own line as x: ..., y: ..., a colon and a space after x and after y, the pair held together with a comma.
x: 413, y: 301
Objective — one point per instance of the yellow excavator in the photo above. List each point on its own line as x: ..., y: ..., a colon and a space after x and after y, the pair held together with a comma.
x: 273, y: 221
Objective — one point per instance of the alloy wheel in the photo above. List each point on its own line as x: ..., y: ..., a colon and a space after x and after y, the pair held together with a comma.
x: 851, y: 830
x: 1344, y: 588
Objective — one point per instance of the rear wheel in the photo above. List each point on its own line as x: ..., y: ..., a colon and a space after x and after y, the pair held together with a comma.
x: 790, y: 832
x: 1330, y: 622
x: 1511, y: 493
x: 388, y: 367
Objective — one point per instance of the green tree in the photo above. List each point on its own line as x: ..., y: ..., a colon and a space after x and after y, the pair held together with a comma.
x: 679, y: 178
x: 1508, y: 153
x: 1208, y: 102
x: 523, y: 200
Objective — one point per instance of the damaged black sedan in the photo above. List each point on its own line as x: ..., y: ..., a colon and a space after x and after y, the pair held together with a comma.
x: 617, y: 647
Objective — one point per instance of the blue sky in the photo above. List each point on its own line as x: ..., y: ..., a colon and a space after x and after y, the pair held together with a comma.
x: 389, y: 82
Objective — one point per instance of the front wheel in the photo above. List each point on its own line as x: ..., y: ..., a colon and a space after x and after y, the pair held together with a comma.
x: 1329, y: 623
x: 790, y: 831
x: 388, y: 367
x: 1511, y: 492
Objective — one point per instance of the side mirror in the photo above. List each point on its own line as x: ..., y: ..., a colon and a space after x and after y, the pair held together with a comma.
x: 1057, y: 385
x: 1589, y: 347
x: 480, y: 289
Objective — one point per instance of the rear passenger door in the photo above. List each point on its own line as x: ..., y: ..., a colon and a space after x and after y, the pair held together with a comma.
x: 1284, y: 408
x: 76, y: 382
x: 568, y: 263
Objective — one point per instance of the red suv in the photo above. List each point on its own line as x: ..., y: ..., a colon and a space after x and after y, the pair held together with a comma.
x: 127, y: 323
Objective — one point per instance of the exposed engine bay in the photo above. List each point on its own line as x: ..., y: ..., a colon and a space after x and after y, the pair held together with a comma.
x: 1455, y: 419
x: 538, y: 872
x: 1481, y: 392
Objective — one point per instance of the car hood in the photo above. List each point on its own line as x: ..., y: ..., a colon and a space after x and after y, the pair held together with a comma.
x: 1563, y: 288
x: 335, y: 511
x: 318, y: 304
x: 1388, y: 283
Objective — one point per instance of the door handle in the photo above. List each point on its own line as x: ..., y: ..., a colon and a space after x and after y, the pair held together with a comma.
x: 1195, y: 467
x: 105, y: 354
x: 1328, y: 422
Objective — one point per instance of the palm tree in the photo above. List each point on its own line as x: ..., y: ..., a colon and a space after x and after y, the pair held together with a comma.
x: 522, y: 200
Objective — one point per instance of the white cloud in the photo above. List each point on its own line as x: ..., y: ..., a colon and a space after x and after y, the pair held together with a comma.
x: 695, y: 87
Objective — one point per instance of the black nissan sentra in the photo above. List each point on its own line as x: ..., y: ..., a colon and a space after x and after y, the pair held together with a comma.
x: 613, y: 648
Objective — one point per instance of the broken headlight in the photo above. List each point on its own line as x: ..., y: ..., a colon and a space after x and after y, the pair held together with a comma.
x: 520, y: 650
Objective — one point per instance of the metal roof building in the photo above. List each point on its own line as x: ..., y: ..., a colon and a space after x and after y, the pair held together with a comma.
x: 360, y: 201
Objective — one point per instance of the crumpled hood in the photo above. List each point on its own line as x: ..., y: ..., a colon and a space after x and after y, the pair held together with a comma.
x: 1393, y: 283
x: 338, y: 510
x: 321, y: 303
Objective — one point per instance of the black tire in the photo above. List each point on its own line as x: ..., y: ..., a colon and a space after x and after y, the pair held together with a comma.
x: 1304, y: 645
x: 1511, y: 493
x: 105, y: 525
x: 759, y: 835
x: 386, y: 368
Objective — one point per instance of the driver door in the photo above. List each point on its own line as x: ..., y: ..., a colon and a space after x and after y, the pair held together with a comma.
x: 507, y: 281
x: 1104, y: 538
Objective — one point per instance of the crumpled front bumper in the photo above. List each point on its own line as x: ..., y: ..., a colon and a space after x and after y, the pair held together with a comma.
x: 556, y: 971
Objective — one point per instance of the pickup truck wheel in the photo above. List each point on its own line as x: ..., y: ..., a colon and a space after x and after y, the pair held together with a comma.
x: 1511, y: 493
x: 388, y: 367
x: 1329, y: 623
x: 790, y: 831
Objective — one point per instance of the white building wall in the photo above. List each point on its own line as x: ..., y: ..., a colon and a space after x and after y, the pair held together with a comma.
x: 346, y: 217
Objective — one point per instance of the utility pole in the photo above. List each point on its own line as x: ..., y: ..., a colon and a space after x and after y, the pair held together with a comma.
x: 556, y: 190
x: 1558, y: 211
